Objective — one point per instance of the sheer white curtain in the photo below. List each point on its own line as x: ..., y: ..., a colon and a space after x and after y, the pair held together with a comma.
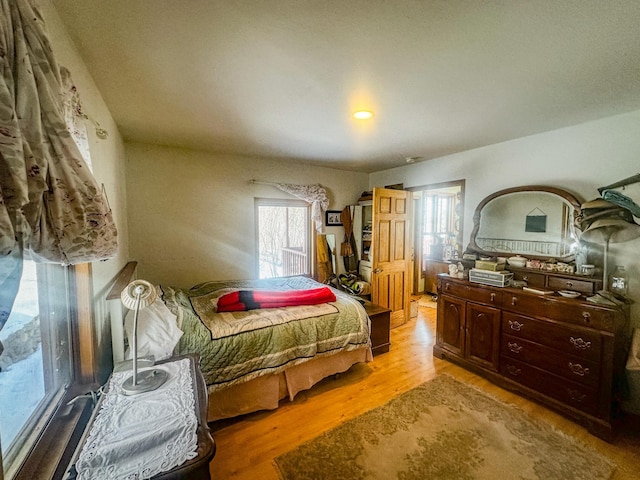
x: 315, y: 194
x: 51, y: 207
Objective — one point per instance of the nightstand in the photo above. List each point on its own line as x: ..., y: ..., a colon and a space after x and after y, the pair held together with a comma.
x: 196, y: 468
x: 380, y: 325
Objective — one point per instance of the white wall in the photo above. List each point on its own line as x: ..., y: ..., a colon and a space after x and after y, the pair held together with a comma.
x: 191, y: 213
x: 579, y: 159
x: 108, y: 161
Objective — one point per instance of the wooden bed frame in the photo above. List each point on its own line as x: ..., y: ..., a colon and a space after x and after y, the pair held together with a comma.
x: 262, y: 393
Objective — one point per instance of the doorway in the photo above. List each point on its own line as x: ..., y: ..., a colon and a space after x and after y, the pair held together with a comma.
x: 438, y: 221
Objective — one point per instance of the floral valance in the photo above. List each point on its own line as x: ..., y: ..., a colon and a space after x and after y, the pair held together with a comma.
x: 51, y: 207
x: 315, y: 194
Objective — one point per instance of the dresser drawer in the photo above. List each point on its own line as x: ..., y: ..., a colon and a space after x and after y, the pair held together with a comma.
x: 571, y: 393
x: 565, y: 310
x: 579, y: 342
x: 560, y: 283
x: 546, y: 358
x: 533, y: 279
x: 478, y: 294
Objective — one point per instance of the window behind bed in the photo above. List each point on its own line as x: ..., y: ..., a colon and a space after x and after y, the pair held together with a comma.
x: 283, y: 237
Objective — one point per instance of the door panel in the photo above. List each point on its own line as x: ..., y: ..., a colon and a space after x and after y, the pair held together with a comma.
x: 391, y: 253
x: 383, y: 241
x: 400, y: 249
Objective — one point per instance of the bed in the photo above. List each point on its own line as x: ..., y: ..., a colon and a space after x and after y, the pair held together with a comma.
x: 253, y: 359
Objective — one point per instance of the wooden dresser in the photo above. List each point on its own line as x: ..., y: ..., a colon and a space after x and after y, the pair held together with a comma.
x: 568, y: 354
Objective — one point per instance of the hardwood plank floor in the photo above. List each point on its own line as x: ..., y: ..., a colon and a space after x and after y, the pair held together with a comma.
x: 246, y: 446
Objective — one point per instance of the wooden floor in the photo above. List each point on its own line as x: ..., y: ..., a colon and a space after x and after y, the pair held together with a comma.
x: 246, y: 446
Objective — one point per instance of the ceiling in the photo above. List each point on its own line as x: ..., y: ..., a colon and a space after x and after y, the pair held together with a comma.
x: 280, y: 78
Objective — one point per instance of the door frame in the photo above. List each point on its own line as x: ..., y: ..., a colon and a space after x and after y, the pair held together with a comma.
x: 418, y: 274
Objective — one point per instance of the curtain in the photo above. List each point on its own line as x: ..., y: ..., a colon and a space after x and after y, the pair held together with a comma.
x: 315, y: 194
x: 51, y: 207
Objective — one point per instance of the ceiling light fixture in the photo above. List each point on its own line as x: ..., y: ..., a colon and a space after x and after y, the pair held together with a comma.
x: 363, y: 114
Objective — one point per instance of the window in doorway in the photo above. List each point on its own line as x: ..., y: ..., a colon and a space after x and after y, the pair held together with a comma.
x: 283, y: 237
x: 440, y: 232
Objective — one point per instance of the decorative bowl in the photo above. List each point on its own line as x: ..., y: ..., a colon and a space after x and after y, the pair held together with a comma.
x: 569, y: 293
x: 517, y: 261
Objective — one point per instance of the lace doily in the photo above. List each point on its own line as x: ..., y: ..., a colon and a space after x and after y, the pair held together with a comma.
x: 136, y: 437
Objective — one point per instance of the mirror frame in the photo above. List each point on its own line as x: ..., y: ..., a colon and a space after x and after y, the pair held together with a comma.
x: 563, y: 194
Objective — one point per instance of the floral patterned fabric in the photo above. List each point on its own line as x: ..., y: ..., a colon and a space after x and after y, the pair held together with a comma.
x: 50, y: 204
x: 315, y: 194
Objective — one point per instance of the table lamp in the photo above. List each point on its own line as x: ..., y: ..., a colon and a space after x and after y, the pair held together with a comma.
x: 137, y: 296
x: 610, y: 225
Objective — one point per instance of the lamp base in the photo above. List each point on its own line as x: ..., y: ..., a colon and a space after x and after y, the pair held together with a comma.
x: 126, y: 365
x: 146, y: 381
x: 604, y: 297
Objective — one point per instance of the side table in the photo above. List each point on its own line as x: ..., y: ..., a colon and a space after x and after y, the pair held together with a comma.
x: 380, y: 325
x: 196, y: 468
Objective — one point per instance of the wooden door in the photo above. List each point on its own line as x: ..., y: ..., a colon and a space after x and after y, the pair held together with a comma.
x: 391, y: 253
x: 483, y: 335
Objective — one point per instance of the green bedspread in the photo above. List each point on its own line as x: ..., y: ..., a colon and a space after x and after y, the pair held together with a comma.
x: 236, y: 347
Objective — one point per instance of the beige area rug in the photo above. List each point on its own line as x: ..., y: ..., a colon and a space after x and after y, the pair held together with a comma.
x: 443, y: 429
x: 427, y: 301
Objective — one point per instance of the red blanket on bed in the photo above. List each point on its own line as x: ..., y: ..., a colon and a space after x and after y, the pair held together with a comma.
x: 254, y: 299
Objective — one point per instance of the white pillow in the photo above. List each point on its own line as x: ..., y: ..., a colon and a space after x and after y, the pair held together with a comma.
x: 158, y: 331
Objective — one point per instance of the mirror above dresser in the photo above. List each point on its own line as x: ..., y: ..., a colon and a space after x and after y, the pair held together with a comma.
x: 538, y: 225
x: 533, y: 221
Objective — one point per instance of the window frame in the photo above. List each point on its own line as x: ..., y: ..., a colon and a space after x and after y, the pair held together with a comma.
x: 419, y: 191
x: 48, y: 456
x: 283, y: 202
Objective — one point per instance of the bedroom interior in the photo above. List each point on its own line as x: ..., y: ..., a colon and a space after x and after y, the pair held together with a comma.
x: 474, y: 99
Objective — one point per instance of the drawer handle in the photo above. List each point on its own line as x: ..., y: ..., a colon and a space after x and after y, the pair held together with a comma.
x: 525, y: 278
x: 580, y: 344
x: 515, y: 325
x: 578, y: 369
x: 576, y: 395
x: 493, y: 297
x: 586, y: 316
x: 447, y: 286
x: 514, y: 300
x: 569, y: 284
x: 514, y: 347
x: 513, y: 370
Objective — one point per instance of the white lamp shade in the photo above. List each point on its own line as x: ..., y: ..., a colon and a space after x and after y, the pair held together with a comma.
x: 138, y: 289
x: 614, y: 230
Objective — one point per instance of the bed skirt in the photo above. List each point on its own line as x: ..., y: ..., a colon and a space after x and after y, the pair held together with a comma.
x: 264, y: 393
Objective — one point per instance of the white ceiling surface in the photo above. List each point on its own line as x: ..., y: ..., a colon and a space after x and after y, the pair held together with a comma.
x: 280, y: 78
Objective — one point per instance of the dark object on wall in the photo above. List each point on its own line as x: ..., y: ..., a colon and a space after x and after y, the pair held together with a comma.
x: 332, y: 218
x: 536, y: 223
x: 366, y: 196
x: 348, y: 249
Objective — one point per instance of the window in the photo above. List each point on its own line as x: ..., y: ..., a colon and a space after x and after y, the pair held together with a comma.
x: 283, y: 237
x: 438, y: 212
x: 36, y: 364
x: 439, y: 229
